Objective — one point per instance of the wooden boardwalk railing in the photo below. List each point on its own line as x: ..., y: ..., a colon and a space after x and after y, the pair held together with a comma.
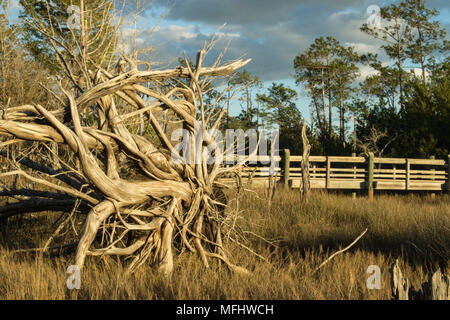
x: 354, y: 173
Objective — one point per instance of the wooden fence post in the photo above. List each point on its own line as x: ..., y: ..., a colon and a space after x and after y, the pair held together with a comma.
x: 370, y: 175
x: 448, y: 173
x: 354, y: 175
x: 433, y: 195
x: 408, y: 169
x: 287, y: 167
x: 400, y: 286
x: 328, y: 178
x: 432, y: 168
x: 313, y: 176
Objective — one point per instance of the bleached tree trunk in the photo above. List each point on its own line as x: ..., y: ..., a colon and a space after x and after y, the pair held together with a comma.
x: 141, y: 196
x: 171, y: 197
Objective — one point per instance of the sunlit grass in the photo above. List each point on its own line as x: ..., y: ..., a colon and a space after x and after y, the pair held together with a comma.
x: 299, y: 235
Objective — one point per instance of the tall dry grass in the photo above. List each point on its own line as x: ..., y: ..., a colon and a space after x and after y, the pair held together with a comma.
x: 294, y: 236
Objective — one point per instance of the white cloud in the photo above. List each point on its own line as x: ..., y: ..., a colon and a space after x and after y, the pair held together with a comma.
x: 175, y: 32
x: 339, y: 15
x: 365, y: 71
x: 418, y: 72
x: 271, y: 33
x: 363, y: 48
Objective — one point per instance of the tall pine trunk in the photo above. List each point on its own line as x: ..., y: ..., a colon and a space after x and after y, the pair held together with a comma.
x: 323, y: 100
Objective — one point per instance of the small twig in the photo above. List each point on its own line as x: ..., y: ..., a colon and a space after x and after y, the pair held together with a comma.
x: 61, y: 226
x: 271, y: 242
x: 340, y: 251
x: 248, y: 249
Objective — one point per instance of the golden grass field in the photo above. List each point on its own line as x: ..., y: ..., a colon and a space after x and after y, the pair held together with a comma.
x: 300, y: 234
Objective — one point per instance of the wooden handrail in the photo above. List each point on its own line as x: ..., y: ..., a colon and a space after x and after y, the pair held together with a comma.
x: 371, y: 173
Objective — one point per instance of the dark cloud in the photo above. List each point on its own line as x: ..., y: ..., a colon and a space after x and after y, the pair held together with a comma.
x: 248, y: 12
x: 270, y: 32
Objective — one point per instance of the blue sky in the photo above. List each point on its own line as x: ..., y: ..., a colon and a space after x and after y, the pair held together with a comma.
x: 269, y: 32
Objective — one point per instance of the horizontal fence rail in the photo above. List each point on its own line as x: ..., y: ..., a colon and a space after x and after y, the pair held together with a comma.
x: 350, y: 173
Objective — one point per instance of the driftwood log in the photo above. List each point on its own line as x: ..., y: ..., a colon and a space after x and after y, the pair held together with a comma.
x: 171, y: 203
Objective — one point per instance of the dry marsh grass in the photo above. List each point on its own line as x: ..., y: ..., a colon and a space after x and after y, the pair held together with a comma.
x: 298, y: 237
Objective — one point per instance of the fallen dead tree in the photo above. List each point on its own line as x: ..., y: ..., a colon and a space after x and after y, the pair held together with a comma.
x: 173, y: 202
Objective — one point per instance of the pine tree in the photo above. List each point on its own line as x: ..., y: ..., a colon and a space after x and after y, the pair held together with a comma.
x: 397, y: 37
x: 280, y: 111
x: 427, y: 34
x: 246, y: 83
x: 327, y: 69
x: 316, y: 67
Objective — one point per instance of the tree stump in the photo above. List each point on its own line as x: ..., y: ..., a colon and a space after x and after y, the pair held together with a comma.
x: 400, y: 285
x: 437, y: 287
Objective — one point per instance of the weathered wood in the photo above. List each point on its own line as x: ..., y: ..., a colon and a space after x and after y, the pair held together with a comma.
x: 412, y: 161
x: 287, y: 165
x: 167, y: 195
x: 389, y: 160
x: 354, y: 167
x: 349, y: 178
x: 354, y: 170
x: 313, y: 176
x: 400, y: 185
x: 354, y: 176
x: 427, y: 162
x: 268, y: 158
x: 346, y: 175
x: 408, y: 167
x: 394, y: 170
x: 328, y: 177
x: 349, y: 184
x: 332, y: 158
x: 312, y: 158
x: 389, y: 176
x: 400, y: 285
x: 432, y: 172
x: 423, y: 177
x: 316, y: 169
x: 348, y: 159
x: 370, y: 168
x: 437, y: 287
x: 432, y: 169
x: 448, y: 173
x: 165, y: 263
x: 296, y: 158
x: 340, y: 251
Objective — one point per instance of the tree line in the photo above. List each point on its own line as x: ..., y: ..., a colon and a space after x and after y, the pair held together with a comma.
x: 394, y: 111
